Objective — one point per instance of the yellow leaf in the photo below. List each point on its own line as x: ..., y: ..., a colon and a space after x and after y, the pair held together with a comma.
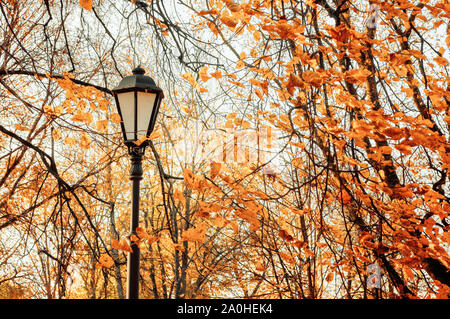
x: 154, y: 135
x: 195, y: 234
x: 84, y: 117
x: 85, y: 141
x: 190, y: 78
x: 115, y: 118
x: 69, y: 141
x: 297, y: 162
x: 240, y: 64
x: 246, y: 125
x: 229, y: 124
x: 152, y: 239
x: 102, y: 126
x: 103, y: 104
x: 56, y: 134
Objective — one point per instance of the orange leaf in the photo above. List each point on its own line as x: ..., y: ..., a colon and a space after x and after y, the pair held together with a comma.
x: 260, y: 267
x: 215, y: 169
x: 115, y: 244
x: 205, y: 12
x: 21, y: 128
x: 122, y: 245
x: 142, y: 234
x: 356, y: 75
x: 86, y: 4
x: 106, y: 261
x: 408, y: 272
x: 135, y: 239
x: 441, y: 61
x: 314, y: 78
x: 287, y: 258
x: 405, y: 149
x: 329, y: 277
x: 217, y: 74
x: 394, y: 132
x: 229, y: 21
x: 346, y: 198
x: 285, y: 235
x: 204, y: 209
x: 203, y: 74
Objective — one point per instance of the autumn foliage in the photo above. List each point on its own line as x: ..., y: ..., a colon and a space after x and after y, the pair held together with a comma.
x: 357, y: 174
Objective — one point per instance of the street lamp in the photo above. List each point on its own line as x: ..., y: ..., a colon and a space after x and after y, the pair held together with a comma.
x: 138, y: 100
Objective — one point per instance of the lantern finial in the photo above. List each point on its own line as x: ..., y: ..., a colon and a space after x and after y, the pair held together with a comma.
x: 138, y: 70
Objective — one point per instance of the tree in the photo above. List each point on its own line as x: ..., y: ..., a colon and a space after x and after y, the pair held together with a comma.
x: 356, y: 176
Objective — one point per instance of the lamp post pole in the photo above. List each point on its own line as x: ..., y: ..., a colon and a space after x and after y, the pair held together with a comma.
x: 138, y: 99
x: 136, y: 154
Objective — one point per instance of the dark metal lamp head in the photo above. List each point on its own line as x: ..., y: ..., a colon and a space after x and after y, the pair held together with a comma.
x: 138, y: 99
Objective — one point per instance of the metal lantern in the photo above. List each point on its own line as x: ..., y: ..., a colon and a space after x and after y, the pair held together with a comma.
x: 138, y: 99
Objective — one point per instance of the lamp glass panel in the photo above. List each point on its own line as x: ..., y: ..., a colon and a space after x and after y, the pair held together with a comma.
x: 146, y: 103
x: 126, y: 101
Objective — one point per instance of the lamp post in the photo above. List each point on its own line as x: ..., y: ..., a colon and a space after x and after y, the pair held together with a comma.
x: 138, y: 99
